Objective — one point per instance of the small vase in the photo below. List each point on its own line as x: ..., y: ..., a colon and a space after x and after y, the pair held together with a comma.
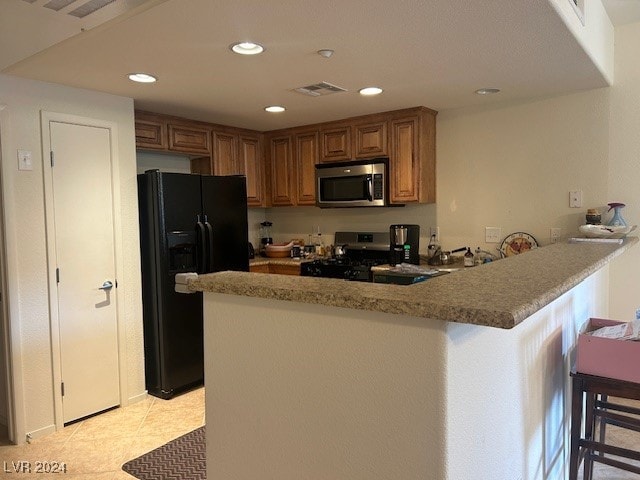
x: 617, y: 220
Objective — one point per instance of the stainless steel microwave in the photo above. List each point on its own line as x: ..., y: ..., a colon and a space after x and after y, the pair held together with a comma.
x: 353, y: 184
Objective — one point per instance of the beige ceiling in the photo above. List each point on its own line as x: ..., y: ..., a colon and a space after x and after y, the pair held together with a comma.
x: 434, y: 53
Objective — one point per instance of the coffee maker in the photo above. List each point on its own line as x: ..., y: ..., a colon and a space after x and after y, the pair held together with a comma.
x: 404, y: 241
x: 265, y: 237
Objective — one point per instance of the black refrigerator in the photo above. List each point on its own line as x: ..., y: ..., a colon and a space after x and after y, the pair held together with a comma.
x: 188, y: 223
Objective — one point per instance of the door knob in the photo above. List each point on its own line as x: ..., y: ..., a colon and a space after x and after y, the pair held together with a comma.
x: 107, y: 285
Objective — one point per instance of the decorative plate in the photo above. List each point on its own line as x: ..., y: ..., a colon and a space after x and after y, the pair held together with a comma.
x: 517, y: 243
x: 605, y: 231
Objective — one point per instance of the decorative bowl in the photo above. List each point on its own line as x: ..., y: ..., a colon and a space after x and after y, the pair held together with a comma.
x: 279, y: 247
x: 278, y: 250
x: 605, y: 231
x: 278, y: 253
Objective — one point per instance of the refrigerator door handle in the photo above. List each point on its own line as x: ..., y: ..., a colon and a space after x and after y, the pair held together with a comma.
x: 202, y: 247
x: 209, y: 228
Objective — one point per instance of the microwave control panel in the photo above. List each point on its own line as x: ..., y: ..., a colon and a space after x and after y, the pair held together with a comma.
x: 378, y: 186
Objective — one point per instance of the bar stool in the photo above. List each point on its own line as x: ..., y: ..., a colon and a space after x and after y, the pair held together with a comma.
x: 600, y: 411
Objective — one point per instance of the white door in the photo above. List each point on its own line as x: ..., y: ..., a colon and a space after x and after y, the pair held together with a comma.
x: 84, y: 239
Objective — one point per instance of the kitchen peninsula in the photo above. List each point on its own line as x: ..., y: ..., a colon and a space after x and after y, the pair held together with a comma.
x: 317, y: 378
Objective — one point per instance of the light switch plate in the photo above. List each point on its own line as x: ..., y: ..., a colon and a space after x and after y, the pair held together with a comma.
x: 24, y: 160
x: 575, y: 199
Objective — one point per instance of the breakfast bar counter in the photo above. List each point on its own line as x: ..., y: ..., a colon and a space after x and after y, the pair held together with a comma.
x: 497, y: 294
x: 311, y: 378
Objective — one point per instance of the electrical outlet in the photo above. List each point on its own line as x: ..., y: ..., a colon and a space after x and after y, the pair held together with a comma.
x: 492, y: 234
x: 435, y: 231
x: 575, y: 199
x: 554, y: 234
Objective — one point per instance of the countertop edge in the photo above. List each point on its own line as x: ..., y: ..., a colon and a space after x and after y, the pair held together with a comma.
x: 461, y: 297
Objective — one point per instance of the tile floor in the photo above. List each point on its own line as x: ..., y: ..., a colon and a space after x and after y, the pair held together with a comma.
x: 96, y: 448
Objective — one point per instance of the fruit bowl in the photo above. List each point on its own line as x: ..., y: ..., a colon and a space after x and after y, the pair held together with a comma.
x: 605, y: 231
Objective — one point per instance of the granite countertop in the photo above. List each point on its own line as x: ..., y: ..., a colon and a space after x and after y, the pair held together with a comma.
x: 497, y: 294
x: 275, y: 261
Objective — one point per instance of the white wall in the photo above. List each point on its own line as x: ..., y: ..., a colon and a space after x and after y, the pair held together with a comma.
x: 162, y: 161
x: 298, y: 222
x: 515, y: 424
x: 512, y: 166
x: 595, y: 32
x: 302, y: 391
x: 26, y: 242
x: 624, y: 165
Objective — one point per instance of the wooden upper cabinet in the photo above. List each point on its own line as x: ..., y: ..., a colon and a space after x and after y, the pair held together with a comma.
x: 306, y: 157
x: 412, y: 159
x: 280, y: 165
x: 282, y: 170
x: 151, y: 134
x: 189, y: 139
x: 241, y: 154
x: 370, y: 140
x: 336, y: 144
x: 404, y: 166
x: 250, y: 160
x: 225, y: 154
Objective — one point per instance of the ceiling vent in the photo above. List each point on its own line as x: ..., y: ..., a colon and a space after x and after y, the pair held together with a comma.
x: 89, y: 7
x: 319, y: 89
x: 57, y: 5
x: 81, y: 8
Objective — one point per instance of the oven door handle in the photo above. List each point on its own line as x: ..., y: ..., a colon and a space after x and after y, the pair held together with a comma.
x: 370, y: 188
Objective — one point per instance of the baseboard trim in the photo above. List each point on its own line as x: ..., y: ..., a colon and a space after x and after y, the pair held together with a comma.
x: 41, y: 432
x: 138, y: 398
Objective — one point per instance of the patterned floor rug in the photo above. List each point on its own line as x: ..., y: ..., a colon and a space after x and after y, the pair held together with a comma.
x: 181, y: 458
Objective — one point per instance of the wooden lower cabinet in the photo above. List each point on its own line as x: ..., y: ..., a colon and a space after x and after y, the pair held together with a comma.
x: 277, y: 268
x: 261, y: 268
x: 281, y: 269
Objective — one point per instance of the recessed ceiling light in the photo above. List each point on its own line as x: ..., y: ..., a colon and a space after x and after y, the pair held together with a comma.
x: 142, y: 77
x: 274, y: 109
x: 247, y: 48
x: 368, y: 91
x: 487, y: 91
x: 325, y: 52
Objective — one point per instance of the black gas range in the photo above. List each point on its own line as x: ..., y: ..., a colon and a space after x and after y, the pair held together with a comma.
x: 362, y: 250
